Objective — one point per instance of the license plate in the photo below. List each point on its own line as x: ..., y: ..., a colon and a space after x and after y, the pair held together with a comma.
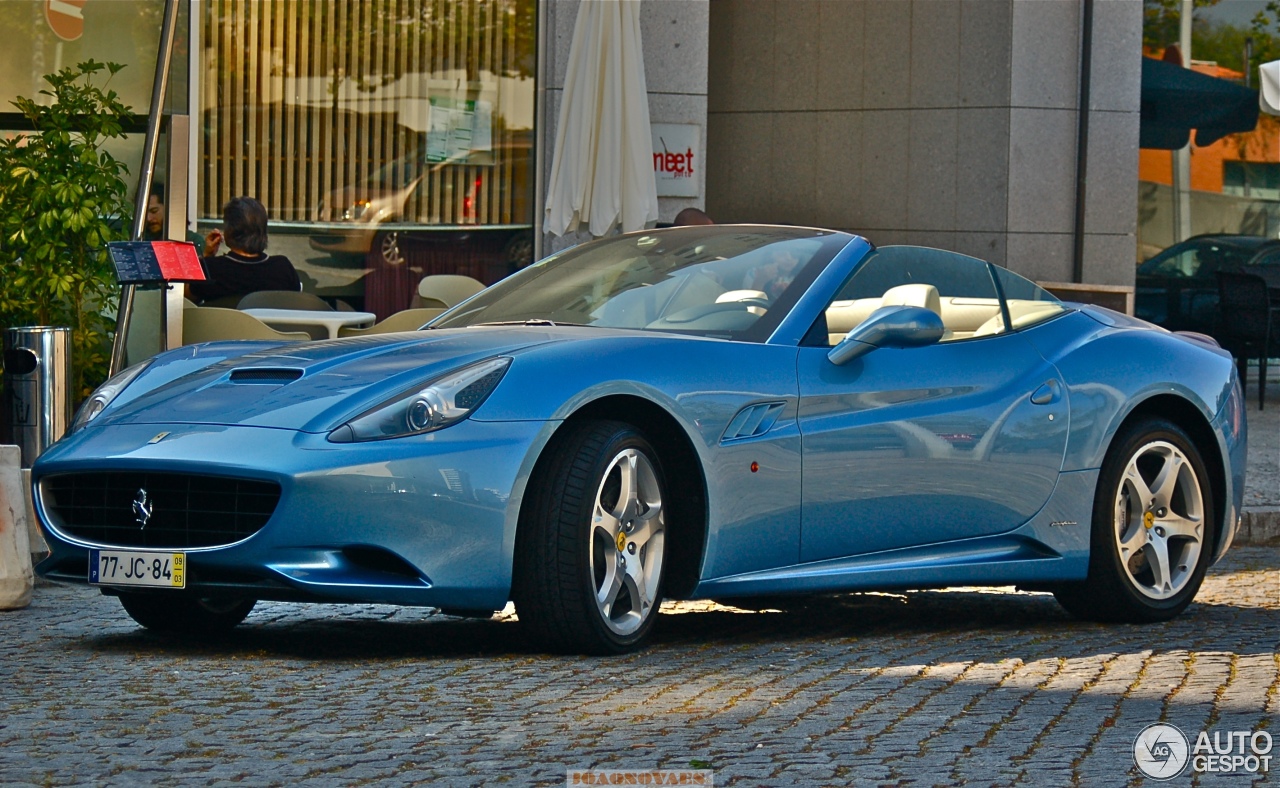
x: 138, y: 568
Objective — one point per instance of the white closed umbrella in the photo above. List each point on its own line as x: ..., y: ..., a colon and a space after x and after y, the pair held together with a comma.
x: 1269, y: 95
x: 602, y: 167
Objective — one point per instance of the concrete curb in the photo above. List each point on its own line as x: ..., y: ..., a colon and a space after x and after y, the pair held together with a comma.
x: 1260, y: 525
x: 16, y: 577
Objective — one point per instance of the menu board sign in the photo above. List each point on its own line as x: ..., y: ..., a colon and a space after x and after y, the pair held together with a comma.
x: 150, y: 262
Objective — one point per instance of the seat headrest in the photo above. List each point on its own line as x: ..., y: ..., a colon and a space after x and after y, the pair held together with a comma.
x: 921, y: 295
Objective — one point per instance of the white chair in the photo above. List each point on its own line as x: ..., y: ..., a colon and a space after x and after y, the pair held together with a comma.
x: 407, y: 320
x: 446, y: 290
x: 211, y: 324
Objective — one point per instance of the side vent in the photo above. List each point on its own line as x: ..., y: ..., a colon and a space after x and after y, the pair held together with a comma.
x: 753, y: 420
x: 278, y: 376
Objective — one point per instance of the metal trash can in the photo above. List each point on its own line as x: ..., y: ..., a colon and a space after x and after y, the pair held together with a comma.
x: 37, y: 388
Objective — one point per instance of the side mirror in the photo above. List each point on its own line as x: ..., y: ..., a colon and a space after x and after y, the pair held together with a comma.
x: 889, y: 326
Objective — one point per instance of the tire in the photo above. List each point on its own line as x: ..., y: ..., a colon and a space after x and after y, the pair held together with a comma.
x: 519, y: 249
x: 186, y: 614
x: 386, y: 248
x: 1153, y: 528
x: 589, y: 557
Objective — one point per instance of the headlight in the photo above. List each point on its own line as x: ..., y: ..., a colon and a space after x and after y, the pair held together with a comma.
x: 444, y: 401
x: 104, y: 394
x: 356, y: 211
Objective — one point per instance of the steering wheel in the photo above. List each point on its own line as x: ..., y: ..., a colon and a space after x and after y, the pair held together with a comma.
x: 752, y: 301
x: 702, y: 310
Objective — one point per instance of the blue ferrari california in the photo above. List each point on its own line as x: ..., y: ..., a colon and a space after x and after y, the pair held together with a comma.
x: 730, y: 412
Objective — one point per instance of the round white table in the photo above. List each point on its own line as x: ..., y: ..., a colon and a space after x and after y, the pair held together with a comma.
x: 332, y: 321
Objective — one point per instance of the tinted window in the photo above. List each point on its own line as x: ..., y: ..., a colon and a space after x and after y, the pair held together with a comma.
x: 1199, y: 260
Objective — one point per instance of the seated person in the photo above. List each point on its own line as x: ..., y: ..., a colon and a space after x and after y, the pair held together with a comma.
x: 774, y: 276
x: 246, y: 268
x: 156, y: 213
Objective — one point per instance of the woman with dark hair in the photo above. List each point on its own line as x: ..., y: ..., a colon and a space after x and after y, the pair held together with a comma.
x: 246, y: 267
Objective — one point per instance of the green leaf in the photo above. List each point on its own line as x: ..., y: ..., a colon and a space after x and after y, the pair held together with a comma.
x: 61, y: 198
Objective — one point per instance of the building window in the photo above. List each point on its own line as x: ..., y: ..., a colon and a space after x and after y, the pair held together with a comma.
x: 394, y: 113
x: 1260, y: 180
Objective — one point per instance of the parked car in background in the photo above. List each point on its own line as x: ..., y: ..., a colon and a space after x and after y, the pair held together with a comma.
x: 483, y: 191
x: 1177, y: 288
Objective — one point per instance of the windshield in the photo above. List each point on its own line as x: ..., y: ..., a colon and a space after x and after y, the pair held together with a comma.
x: 723, y: 281
x: 1200, y: 259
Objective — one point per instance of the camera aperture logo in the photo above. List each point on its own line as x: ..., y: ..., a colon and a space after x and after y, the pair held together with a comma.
x: 1161, y: 751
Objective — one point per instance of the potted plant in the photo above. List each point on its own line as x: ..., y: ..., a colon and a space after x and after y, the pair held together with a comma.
x: 62, y: 197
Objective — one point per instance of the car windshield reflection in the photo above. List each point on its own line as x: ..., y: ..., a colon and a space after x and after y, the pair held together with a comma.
x: 724, y: 281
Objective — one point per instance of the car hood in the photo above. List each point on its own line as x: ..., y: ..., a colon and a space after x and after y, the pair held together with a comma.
x: 316, y: 386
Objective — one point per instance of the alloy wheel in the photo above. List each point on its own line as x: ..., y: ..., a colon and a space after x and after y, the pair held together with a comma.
x: 1159, y: 520
x: 627, y: 542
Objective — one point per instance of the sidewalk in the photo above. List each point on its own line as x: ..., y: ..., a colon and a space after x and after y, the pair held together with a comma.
x: 1261, y: 524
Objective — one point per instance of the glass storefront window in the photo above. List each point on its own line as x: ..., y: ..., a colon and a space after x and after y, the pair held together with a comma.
x: 369, y: 112
x: 388, y: 139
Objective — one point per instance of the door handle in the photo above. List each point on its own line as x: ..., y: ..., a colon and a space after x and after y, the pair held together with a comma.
x: 1047, y: 393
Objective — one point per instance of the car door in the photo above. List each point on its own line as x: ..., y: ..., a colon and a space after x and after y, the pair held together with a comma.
x: 905, y: 447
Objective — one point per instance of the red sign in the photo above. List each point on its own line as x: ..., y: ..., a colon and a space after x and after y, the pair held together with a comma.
x: 178, y: 261
x: 65, y: 17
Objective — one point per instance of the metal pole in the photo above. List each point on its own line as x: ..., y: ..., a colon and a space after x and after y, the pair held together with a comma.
x: 159, y: 85
x: 1082, y: 140
x: 1182, y: 157
x: 540, y: 131
x: 1248, y: 61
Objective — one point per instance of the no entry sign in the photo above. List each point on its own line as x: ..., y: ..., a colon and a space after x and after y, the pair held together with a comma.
x: 65, y: 17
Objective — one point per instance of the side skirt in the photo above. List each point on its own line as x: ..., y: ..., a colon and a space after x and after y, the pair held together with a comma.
x: 1053, y: 546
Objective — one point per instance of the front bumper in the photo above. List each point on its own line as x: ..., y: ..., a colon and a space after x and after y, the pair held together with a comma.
x: 426, y: 520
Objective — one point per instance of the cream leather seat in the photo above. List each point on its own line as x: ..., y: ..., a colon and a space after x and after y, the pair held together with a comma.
x: 920, y: 295
x: 842, y: 316
x: 1023, y: 313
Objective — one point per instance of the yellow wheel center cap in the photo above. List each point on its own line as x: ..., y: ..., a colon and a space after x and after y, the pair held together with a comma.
x: 622, y: 541
x: 1149, y: 519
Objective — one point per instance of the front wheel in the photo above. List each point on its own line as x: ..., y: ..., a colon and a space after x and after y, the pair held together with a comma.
x: 592, y: 542
x: 168, y: 611
x: 1153, y: 528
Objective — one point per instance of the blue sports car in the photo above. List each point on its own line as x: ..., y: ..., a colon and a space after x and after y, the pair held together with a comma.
x: 730, y: 412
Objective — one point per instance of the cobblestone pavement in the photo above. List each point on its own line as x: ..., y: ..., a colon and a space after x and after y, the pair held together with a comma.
x: 1262, y: 479
x: 922, y: 688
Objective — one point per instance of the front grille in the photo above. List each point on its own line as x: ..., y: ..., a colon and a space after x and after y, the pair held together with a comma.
x: 181, y: 510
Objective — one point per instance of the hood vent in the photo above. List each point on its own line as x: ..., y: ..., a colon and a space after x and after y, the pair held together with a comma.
x: 277, y: 376
x: 753, y: 420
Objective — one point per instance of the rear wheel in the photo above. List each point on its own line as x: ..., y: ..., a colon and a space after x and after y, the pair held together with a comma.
x: 1153, y: 528
x: 592, y: 542
x: 386, y: 247
x: 185, y: 613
